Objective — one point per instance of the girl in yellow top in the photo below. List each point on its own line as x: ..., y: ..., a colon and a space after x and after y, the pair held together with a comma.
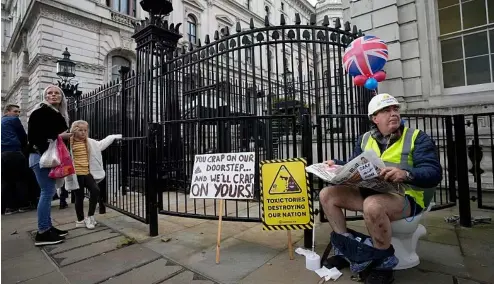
x: 88, y: 165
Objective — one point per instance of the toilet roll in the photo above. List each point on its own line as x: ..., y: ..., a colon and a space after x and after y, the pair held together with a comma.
x: 312, y: 261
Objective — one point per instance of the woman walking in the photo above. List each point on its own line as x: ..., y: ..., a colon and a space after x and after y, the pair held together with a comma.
x: 47, y: 122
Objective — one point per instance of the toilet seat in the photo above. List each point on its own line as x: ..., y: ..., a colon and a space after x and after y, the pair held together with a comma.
x: 404, y: 238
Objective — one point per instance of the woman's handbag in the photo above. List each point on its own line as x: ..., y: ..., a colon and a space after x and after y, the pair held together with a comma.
x: 50, y: 157
x: 66, y: 166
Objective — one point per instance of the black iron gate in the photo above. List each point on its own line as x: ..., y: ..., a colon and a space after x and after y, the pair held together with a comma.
x: 480, y: 152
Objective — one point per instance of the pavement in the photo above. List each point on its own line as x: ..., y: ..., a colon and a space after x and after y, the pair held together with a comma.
x: 119, y: 250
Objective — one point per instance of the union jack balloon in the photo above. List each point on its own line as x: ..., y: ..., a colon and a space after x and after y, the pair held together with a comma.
x: 365, y: 56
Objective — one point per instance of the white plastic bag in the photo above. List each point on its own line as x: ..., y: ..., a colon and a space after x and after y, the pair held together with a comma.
x: 50, y: 158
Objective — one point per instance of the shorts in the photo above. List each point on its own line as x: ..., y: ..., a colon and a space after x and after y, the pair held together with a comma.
x: 415, y: 209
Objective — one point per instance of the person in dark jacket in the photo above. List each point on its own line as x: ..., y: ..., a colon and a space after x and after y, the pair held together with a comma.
x: 411, y: 159
x: 14, y: 170
x: 47, y: 122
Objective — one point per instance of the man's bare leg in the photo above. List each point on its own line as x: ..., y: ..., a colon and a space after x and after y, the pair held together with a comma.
x: 379, y: 211
x: 334, y: 198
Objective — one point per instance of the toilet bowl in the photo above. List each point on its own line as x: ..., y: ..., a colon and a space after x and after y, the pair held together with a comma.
x: 405, y: 237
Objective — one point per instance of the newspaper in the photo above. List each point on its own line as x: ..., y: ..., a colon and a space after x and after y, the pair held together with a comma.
x: 363, y: 171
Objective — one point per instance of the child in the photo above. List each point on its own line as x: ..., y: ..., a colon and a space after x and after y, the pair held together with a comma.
x: 89, y: 171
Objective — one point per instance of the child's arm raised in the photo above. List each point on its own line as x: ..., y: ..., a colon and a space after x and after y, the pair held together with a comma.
x: 107, y: 141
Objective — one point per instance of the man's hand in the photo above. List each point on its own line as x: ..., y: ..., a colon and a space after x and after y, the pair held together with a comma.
x: 393, y: 174
x: 329, y: 163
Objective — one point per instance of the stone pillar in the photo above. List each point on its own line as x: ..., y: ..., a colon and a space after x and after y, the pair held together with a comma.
x: 395, y: 22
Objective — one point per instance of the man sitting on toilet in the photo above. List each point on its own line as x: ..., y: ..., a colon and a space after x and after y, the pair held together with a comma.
x: 418, y: 170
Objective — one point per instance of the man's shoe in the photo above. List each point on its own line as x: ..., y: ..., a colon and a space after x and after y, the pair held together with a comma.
x: 47, y: 238
x: 380, y: 277
x: 59, y: 232
x: 336, y: 261
x: 9, y: 211
x: 63, y: 206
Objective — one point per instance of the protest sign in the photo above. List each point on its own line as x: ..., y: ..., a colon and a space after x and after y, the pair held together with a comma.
x: 223, y: 176
x: 286, y: 200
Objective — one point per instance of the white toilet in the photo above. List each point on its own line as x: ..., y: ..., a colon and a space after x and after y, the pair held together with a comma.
x: 405, y: 236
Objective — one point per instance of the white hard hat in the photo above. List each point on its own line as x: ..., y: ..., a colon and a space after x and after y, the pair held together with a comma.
x: 380, y: 102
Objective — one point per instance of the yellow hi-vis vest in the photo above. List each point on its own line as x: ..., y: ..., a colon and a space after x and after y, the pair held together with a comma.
x: 399, y: 155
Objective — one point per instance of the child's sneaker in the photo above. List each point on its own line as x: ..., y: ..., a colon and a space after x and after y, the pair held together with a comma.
x: 93, y: 221
x: 89, y: 223
x: 80, y: 224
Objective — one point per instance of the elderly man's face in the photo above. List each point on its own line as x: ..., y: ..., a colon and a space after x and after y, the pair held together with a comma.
x: 388, y: 119
x: 15, y: 111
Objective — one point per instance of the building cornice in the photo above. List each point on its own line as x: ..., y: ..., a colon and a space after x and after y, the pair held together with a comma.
x: 52, y: 59
x: 22, y: 79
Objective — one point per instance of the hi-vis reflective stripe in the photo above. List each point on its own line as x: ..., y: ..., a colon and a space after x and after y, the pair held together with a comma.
x: 310, y: 225
x: 405, y: 151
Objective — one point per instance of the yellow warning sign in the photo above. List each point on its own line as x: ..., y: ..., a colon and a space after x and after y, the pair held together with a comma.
x: 286, y: 198
x: 284, y: 183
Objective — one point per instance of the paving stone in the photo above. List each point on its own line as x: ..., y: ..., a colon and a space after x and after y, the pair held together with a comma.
x: 413, y: 276
x: 94, y: 249
x: 84, y: 231
x: 466, y: 281
x: 27, y: 266
x: 441, y: 235
x: 188, y: 277
x: 104, y: 266
x: 440, y: 253
x: 238, y: 259
x: 153, y: 272
x: 50, y: 278
x: 81, y: 241
x: 16, y: 245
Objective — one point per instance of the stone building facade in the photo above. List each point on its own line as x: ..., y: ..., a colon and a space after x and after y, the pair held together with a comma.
x: 98, y: 34
x: 441, y: 53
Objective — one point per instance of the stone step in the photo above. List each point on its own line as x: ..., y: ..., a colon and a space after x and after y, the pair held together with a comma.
x: 85, y: 252
x: 103, y: 267
x: 150, y: 273
x: 81, y: 241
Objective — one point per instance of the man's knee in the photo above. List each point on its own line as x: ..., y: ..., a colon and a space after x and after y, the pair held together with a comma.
x: 327, y: 195
x: 373, y: 207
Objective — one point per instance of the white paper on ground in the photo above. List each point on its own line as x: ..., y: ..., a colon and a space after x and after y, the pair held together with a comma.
x: 328, y: 274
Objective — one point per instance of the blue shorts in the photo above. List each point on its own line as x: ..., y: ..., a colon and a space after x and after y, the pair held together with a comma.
x: 415, y: 209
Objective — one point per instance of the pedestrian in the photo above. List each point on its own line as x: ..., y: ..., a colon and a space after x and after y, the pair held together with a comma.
x: 47, y: 122
x: 15, y: 167
x: 89, y: 171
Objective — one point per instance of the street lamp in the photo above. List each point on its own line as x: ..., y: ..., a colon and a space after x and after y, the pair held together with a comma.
x: 65, y: 70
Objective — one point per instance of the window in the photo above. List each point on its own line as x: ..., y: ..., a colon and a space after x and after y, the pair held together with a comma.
x: 192, y: 29
x: 117, y: 62
x: 248, y: 56
x: 467, y: 41
x: 127, y: 7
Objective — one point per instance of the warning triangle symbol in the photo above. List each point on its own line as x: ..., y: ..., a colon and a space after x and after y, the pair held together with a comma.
x: 284, y: 183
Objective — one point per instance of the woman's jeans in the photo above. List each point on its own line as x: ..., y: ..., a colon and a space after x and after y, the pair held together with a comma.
x: 48, y: 190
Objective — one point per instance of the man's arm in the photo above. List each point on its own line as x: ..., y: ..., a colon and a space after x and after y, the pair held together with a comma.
x: 426, y: 171
x: 20, y: 131
x: 357, y: 150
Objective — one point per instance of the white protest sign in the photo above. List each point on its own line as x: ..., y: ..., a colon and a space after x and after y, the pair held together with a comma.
x: 223, y: 176
x: 367, y: 171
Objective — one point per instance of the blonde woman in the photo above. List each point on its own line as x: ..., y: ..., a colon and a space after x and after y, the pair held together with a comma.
x: 89, y: 171
x: 48, y: 121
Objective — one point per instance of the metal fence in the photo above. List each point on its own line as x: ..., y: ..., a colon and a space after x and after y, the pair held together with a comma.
x: 278, y: 91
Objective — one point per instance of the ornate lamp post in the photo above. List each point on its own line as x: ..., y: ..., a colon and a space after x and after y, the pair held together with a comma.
x: 65, y: 70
